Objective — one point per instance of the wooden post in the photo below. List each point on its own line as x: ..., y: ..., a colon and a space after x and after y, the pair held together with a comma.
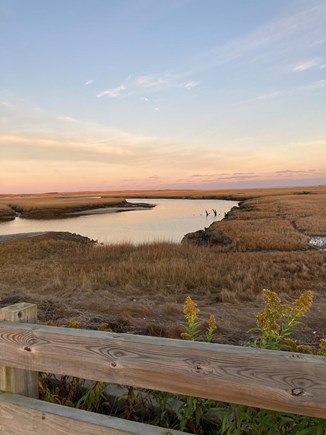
x: 14, y: 380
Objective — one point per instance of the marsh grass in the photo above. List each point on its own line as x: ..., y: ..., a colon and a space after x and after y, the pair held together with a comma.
x: 48, y: 207
x: 156, y: 268
x: 6, y: 212
x: 277, y: 222
x: 229, y: 194
x: 117, y: 283
x: 264, y: 234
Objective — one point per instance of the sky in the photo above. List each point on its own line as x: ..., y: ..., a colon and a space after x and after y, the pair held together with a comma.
x: 148, y: 94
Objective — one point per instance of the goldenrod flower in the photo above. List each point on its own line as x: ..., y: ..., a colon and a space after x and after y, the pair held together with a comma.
x: 322, y: 347
x: 271, y: 298
x: 303, y: 304
x: 273, y: 312
x: 212, y: 326
x: 190, y: 310
x: 278, y: 321
x: 186, y: 336
x: 304, y: 348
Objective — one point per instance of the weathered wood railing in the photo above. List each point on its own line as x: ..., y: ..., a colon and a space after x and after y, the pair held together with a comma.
x: 282, y: 381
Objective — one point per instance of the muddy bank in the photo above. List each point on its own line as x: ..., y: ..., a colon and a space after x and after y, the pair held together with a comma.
x: 57, y: 208
x: 124, y: 207
x: 6, y: 214
x: 213, y: 235
x: 48, y: 235
x: 282, y: 224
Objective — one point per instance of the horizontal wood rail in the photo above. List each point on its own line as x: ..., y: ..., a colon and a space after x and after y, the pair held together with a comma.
x: 281, y: 381
x: 26, y: 416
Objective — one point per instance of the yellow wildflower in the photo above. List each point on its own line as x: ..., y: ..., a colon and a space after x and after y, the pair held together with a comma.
x: 304, y: 348
x: 190, y: 310
x: 303, y: 304
x: 273, y: 312
x: 212, y: 325
x: 211, y: 328
x: 186, y: 336
x: 322, y: 347
x: 271, y: 298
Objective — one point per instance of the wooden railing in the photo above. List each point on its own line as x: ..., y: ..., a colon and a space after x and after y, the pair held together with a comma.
x: 281, y: 381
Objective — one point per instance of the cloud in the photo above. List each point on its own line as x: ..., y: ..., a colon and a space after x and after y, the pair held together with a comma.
x: 33, y: 140
x: 294, y: 34
x: 302, y: 172
x: 149, y: 83
x: 112, y: 93
x: 89, y: 82
x: 288, y: 38
x: 190, y: 85
x: 267, y: 96
x: 153, y: 81
x: 49, y: 148
x: 306, y: 65
x: 7, y: 105
x: 317, y: 85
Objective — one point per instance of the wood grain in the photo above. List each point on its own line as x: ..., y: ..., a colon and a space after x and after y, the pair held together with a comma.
x: 21, y: 415
x: 282, y: 381
x: 15, y: 380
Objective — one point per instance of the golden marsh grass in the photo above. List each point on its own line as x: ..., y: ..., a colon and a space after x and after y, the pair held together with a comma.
x: 47, y: 206
x: 6, y: 212
x: 142, y: 288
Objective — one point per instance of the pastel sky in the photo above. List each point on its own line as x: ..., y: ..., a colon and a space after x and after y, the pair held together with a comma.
x: 128, y: 94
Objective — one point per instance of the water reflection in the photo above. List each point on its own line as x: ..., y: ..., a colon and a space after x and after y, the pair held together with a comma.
x: 170, y: 220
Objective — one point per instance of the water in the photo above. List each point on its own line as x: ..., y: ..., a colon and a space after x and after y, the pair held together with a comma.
x: 169, y: 221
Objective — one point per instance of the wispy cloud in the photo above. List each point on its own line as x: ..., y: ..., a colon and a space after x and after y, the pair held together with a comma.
x: 316, y: 86
x: 149, y: 83
x: 112, y: 93
x: 306, y: 65
x: 155, y: 82
x: 190, y: 85
x: 293, y: 34
x: 95, y: 152
x: 89, y: 82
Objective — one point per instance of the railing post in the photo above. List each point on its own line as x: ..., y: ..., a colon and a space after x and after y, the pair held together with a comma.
x: 14, y: 380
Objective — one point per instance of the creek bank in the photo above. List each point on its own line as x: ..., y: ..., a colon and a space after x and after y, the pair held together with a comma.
x: 213, y: 235
x: 6, y: 215
x: 73, y: 211
x: 49, y: 235
x: 121, y: 208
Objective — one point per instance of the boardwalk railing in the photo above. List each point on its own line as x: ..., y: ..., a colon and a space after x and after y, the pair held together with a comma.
x: 281, y: 381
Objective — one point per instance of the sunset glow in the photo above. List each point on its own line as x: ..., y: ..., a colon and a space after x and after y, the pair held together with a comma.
x: 138, y: 94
